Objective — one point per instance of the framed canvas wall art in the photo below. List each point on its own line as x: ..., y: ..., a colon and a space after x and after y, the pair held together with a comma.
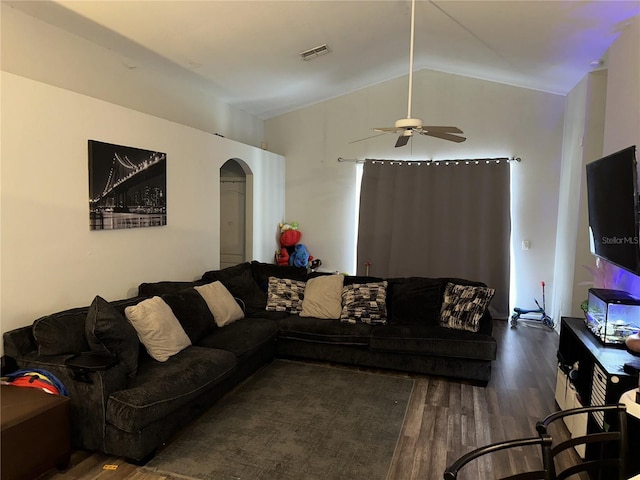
x: 127, y: 187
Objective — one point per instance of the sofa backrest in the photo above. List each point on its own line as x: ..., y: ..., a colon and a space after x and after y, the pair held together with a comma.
x: 414, y: 300
x: 409, y: 299
x: 60, y: 333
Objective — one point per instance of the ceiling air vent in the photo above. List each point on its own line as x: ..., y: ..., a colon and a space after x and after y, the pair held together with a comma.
x: 314, y: 52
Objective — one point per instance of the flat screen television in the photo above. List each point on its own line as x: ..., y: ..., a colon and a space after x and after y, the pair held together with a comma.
x: 613, y: 206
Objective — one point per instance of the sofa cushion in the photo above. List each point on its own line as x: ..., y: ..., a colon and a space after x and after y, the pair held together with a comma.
x: 323, y: 297
x: 227, y: 273
x: 158, y: 328
x: 61, y: 332
x: 120, y: 305
x: 285, y: 295
x: 414, y: 300
x: 351, y: 279
x: 223, y: 306
x: 269, y: 314
x: 463, y: 306
x: 365, y: 302
x: 324, y: 331
x: 241, y: 337
x: 108, y: 331
x: 157, y: 289
x: 433, y: 340
x: 160, y: 388
x: 192, y: 312
x: 240, y: 282
x: 263, y: 271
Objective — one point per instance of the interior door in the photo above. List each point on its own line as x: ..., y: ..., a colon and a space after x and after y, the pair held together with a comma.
x: 232, y: 221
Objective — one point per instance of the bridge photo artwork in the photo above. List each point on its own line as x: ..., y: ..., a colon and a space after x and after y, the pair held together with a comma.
x: 127, y: 187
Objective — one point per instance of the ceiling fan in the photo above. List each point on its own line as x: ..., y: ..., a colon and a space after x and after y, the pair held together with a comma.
x: 408, y: 126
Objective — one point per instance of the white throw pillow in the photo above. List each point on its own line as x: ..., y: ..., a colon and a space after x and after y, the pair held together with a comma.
x: 224, y: 307
x: 158, y: 328
x: 323, y: 297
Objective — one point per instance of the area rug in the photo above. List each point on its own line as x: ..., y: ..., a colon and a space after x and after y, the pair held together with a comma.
x: 295, y: 421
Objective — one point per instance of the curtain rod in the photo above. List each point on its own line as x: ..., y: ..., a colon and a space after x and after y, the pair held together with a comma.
x: 418, y: 162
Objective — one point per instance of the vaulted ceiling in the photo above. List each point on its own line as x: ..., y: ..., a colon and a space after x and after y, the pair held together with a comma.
x: 247, y: 52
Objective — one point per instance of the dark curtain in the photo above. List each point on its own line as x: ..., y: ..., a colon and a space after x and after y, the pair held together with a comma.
x: 437, y: 221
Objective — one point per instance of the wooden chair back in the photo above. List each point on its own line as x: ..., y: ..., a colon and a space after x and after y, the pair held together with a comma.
x: 606, y: 449
x: 543, y: 441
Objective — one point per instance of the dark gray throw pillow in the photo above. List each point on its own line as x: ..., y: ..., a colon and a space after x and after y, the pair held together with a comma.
x: 107, y: 330
x: 240, y: 282
x: 192, y: 312
x: 263, y: 271
x: 153, y: 289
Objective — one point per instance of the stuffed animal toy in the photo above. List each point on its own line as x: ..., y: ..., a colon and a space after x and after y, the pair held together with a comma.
x: 289, y: 238
x: 288, y: 226
x: 282, y: 257
x: 291, y: 252
x: 300, y: 256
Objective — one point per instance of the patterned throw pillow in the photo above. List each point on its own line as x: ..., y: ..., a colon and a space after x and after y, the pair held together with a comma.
x: 365, y: 302
x: 464, y: 306
x: 285, y: 295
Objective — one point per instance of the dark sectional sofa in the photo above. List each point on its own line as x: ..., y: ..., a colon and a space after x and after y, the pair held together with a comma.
x: 129, y: 404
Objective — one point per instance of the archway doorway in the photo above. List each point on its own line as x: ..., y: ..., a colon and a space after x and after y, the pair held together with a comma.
x: 235, y: 216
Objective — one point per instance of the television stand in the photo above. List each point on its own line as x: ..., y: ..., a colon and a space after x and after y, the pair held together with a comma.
x: 590, y: 373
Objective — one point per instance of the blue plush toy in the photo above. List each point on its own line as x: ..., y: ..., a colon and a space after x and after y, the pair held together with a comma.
x: 300, y: 256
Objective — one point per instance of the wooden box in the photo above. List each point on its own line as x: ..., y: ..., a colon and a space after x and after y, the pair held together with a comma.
x: 35, y: 432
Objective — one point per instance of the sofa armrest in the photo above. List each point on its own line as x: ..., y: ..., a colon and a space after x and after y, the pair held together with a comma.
x: 83, y: 364
x: 486, y: 324
x: 88, y: 394
x: 19, y: 342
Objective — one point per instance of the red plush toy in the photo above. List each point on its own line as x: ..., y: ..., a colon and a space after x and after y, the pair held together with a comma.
x: 282, y: 257
x: 289, y: 237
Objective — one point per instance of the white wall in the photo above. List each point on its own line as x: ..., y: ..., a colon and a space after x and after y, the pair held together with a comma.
x: 592, y: 149
x: 50, y: 258
x: 594, y: 127
x: 583, y: 138
x: 622, y: 117
x: 499, y: 120
x: 145, y: 82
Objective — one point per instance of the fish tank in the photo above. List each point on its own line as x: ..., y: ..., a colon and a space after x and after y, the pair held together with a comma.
x: 612, y: 315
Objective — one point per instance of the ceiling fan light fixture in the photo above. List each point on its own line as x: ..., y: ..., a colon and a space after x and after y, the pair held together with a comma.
x: 409, y: 123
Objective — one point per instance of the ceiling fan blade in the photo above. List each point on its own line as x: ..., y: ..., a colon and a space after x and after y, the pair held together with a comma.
x: 402, y: 140
x: 389, y: 129
x: 432, y: 128
x: 367, y: 138
x: 407, y: 126
x: 445, y: 136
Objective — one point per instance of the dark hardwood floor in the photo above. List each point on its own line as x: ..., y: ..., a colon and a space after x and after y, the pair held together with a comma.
x: 444, y: 420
